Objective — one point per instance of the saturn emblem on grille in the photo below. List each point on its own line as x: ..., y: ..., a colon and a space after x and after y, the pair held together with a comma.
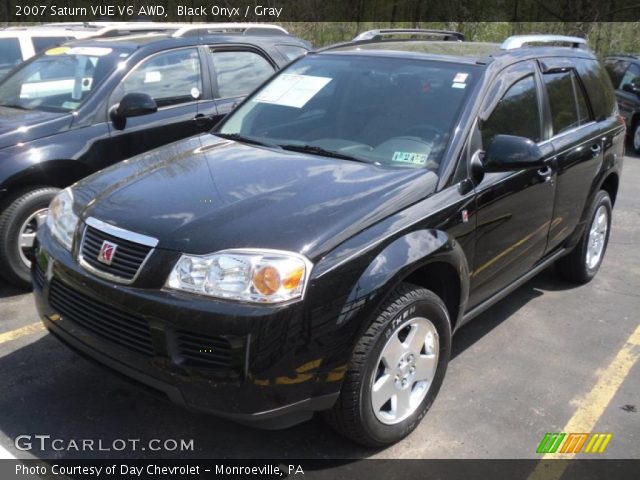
x: 107, y: 251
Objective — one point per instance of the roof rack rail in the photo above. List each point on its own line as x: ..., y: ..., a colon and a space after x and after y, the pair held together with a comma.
x: 518, y: 41
x: 198, y: 29
x: 376, y: 35
x: 625, y: 55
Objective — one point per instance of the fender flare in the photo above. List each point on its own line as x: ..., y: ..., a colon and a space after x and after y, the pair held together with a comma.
x: 397, y: 261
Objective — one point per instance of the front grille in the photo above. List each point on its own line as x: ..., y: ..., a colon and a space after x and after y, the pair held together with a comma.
x: 127, y: 259
x: 203, y: 351
x: 125, y: 329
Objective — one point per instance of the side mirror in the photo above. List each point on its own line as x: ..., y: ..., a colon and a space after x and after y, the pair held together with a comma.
x: 134, y: 105
x: 507, y: 152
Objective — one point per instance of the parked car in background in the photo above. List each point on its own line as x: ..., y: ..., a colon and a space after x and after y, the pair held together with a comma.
x: 77, y: 108
x: 20, y: 43
x: 319, y: 248
x: 624, y: 70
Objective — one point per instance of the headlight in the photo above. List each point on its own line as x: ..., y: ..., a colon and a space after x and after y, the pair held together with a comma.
x: 61, y: 220
x: 261, y: 276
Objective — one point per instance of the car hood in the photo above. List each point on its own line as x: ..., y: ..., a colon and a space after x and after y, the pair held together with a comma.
x: 205, y: 194
x: 22, y: 126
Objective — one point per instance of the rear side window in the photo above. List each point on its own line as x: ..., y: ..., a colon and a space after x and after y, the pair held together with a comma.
x: 239, y: 73
x: 616, y: 69
x: 516, y: 114
x: 42, y: 43
x: 568, y: 105
x: 598, y: 87
x: 10, y: 53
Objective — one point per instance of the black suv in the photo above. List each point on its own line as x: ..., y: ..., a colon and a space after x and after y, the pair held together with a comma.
x: 83, y: 106
x: 320, y: 248
x: 624, y: 71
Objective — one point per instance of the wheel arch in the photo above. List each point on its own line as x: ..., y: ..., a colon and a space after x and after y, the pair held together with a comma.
x: 610, y: 185
x: 53, y: 173
x: 426, y: 258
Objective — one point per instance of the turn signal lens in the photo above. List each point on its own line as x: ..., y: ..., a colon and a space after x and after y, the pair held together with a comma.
x: 293, y: 280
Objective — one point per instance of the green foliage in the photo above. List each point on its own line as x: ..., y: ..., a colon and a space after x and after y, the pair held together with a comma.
x: 604, y: 37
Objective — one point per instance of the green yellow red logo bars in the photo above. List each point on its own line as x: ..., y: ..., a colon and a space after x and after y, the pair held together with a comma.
x: 574, y: 442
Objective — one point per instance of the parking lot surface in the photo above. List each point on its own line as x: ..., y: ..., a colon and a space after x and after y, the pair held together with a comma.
x: 551, y: 357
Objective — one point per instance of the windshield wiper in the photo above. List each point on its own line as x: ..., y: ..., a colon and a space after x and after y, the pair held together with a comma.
x: 314, y: 150
x: 241, y: 138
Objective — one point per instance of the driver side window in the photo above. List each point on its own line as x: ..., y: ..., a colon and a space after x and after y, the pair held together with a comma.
x: 516, y: 114
x: 170, y: 78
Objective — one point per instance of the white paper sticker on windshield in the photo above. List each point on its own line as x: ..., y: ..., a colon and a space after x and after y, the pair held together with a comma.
x: 409, y: 157
x: 90, y: 51
x: 460, y: 77
x: 292, y: 90
x: 458, y: 85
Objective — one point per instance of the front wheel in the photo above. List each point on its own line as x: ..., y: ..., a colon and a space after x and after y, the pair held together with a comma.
x: 19, y: 223
x: 396, y: 370
x: 582, y: 264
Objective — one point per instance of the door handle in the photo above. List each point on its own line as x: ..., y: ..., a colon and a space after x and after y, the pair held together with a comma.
x: 202, y: 119
x: 595, y: 149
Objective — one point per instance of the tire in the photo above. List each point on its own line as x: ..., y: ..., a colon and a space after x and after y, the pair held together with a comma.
x: 634, y: 138
x: 18, y: 217
x: 354, y: 414
x: 581, y: 265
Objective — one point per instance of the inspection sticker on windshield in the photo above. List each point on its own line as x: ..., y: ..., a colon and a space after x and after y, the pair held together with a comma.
x: 409, y: 157
x: 292, y: 90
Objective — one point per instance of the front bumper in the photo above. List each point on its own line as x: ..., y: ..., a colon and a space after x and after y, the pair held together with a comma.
x: 244, y: 362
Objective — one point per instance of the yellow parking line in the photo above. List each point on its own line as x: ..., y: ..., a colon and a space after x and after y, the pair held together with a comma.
x: 593, y: 405
x: 21, y: 332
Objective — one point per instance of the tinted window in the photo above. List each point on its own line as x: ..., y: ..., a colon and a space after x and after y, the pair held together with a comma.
x: 630, y: 77
x: 516, y: 114
x: 10, y: 54
x: 395, y: 112
x: 598, y: 88
x: 616, y: 69
x: 584, y: 115
x: 42, y: 43
x: 564, y: 111
x: 291, y: 52
x: 171, y: 78
x: 239, y: 73
x: 60, y: 79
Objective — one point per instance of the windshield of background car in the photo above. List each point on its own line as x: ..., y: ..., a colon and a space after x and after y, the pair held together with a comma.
x: 395, y: 112
x: 60, y: 79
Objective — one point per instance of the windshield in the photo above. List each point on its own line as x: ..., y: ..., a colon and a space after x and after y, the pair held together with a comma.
x: 389, y: 111
x: 60, y: 79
